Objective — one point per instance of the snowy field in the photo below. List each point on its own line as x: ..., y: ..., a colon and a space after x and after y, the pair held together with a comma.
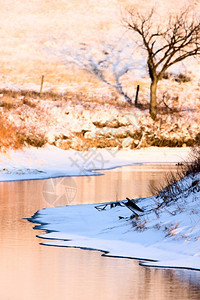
x: 50, y: 161
x: 78, y: 109
x: 33, y: 33
x: 164, y: 237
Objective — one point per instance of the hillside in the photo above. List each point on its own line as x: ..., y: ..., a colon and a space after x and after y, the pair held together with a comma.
x: 29, y: 29
x: 77, y: 110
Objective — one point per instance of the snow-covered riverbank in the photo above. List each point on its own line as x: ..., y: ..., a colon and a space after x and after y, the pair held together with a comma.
x: 167, y: 237
x: 171, y: 240
x: 50, y: 161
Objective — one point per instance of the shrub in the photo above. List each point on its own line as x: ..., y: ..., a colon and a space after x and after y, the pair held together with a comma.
x: 182, y: 78
x: 15, y: 138
x: 29, y: 103
x: 173, y: 185
x: 9, y: 137
x: 35, y: 140
x: 177, y: 77
x: 192, y: 166
x: 7, y: 103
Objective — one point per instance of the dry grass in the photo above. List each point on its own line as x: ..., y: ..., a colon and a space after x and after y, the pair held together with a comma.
x: 173, y: 185
x: 180, y: 78
x: 34, y: 116
x: 12, y: 99
x: 29, y: 29
x: 9, y: 136
x: 192, y: 166
x: 16, y: 138
x: 32, y: 139
x: 33, y: 33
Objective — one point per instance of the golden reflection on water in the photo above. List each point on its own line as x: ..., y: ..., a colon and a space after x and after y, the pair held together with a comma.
x: 32, y: 271
x: 116, y: 184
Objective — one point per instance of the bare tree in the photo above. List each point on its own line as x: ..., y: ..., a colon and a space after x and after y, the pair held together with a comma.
x: 166, y: 43
x: 109, y: 63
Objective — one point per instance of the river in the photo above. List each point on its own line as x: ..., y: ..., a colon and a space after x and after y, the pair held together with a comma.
x: 30, y: 271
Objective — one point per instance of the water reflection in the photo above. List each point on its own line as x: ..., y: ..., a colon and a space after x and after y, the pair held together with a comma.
x: 116, y: 184
x: 31, y: 271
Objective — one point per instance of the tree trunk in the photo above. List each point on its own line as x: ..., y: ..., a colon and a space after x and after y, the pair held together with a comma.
x: 153, y: 100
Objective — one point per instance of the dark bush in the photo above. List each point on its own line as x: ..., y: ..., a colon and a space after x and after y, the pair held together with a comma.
x: 37, y: 140
x: 177, y: 77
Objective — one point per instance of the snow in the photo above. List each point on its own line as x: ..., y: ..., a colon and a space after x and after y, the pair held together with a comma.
x: 171, y: 239
x: 50, y: 161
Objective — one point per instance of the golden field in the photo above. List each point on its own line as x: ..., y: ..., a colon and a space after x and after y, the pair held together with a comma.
x: 29, y: 29
x: 35, y: 36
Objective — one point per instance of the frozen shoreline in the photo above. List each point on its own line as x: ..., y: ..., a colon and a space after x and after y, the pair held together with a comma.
x: 170, y: 241
x: 50, y: 161
x: 84, y: 227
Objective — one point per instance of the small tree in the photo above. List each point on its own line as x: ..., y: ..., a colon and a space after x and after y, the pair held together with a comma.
x: 165, y: 44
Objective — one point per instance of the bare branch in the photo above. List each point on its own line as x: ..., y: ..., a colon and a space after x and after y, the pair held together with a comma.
x: 167, y: 44
x: 181, y: 35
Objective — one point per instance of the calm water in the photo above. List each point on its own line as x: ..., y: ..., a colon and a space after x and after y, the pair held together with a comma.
x: 31, y: 271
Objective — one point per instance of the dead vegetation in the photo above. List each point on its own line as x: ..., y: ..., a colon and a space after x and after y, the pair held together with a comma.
x: 85, y: 121
x: 180, y: 77
x: 192, y: 166
x: 178, y: 195
x: 12, y: 137
x: 9, y: 136
x: 174, y: 184
x: 32, y: 139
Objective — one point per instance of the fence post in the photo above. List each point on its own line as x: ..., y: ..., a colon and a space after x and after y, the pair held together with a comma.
x: 136, y: 95
x: 41, y: 85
